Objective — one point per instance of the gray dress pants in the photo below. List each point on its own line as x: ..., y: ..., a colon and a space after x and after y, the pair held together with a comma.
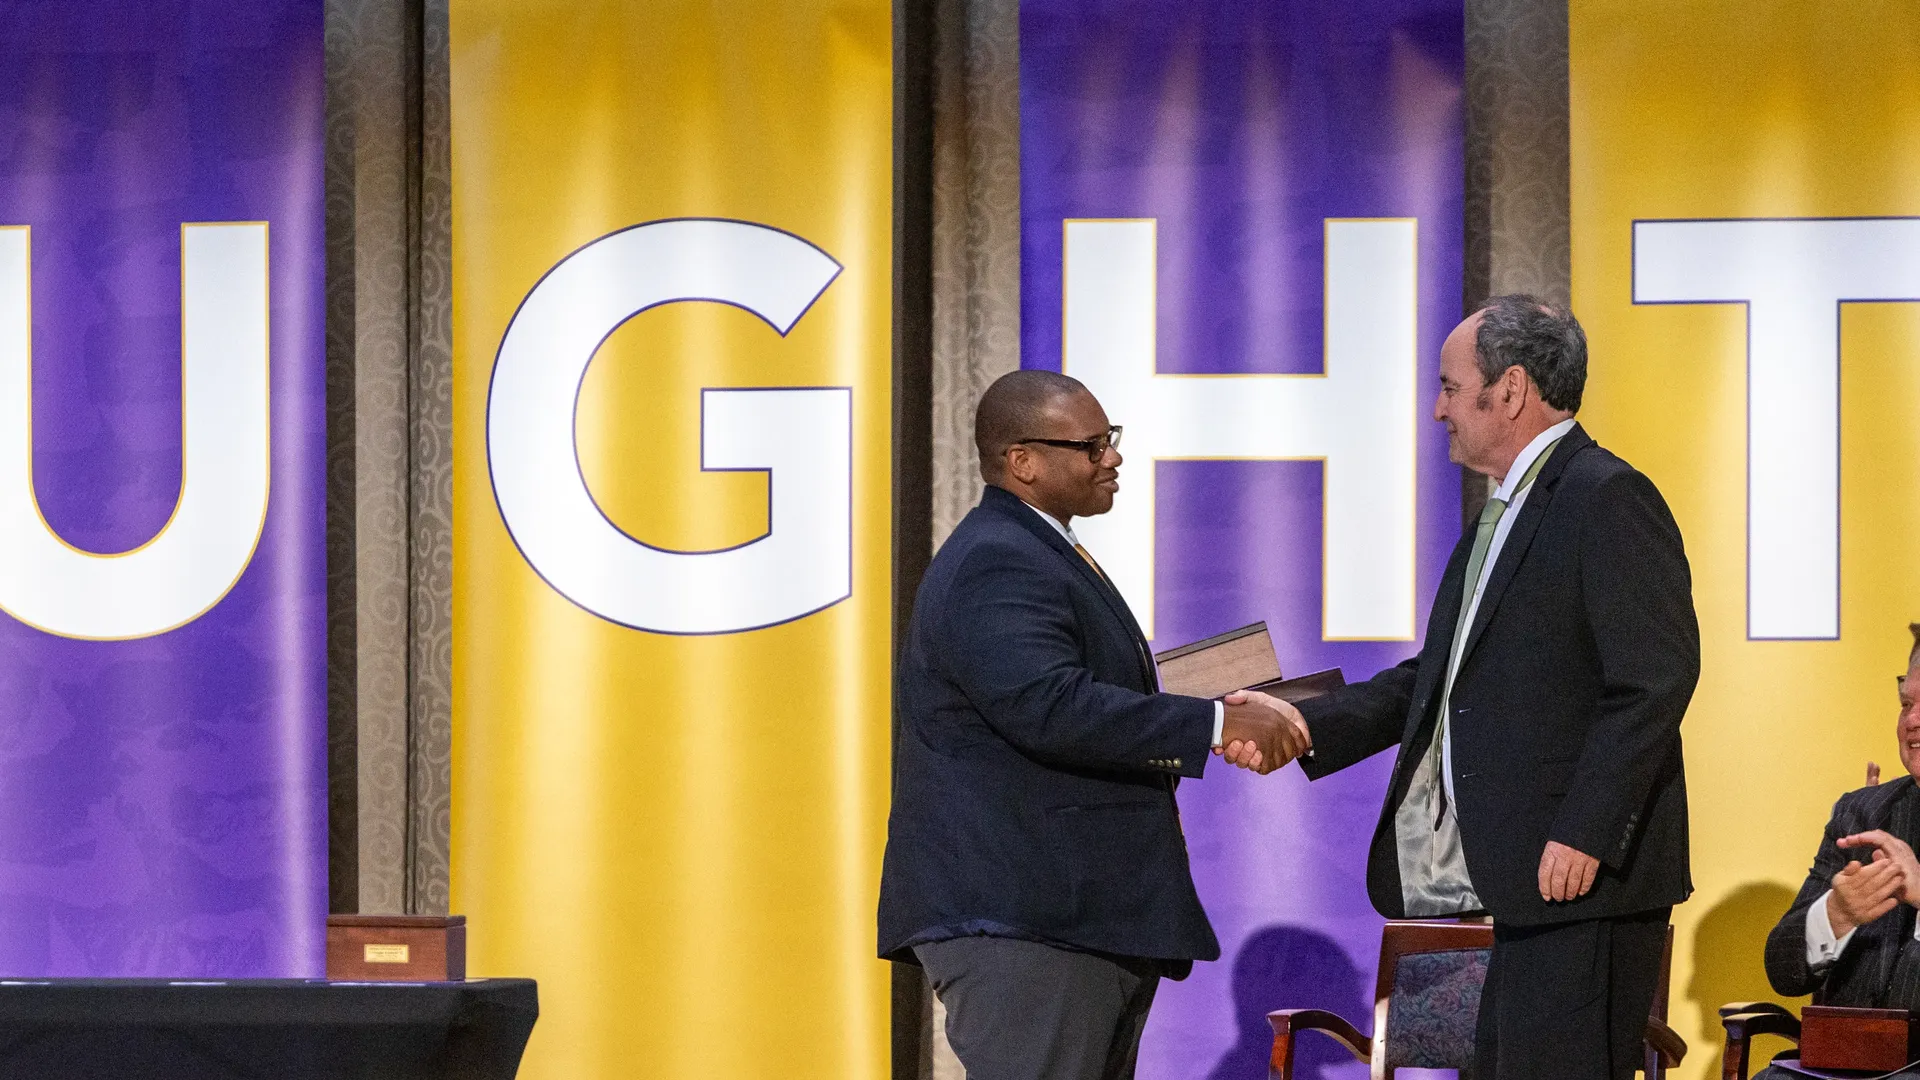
x: 1019, y: 1010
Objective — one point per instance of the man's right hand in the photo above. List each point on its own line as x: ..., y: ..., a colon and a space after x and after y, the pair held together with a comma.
x: 1862, y: 892
x: 1262, y: 733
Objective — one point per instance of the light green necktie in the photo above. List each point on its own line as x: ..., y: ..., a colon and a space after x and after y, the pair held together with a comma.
x: 1490, y: 516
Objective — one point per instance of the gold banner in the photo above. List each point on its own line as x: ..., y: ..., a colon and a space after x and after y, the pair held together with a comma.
x: 1745, y: 184
x: 672, y: 564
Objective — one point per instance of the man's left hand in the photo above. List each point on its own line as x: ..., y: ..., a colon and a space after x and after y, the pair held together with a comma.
x: 1888, y: 846
x: 1566, y: 874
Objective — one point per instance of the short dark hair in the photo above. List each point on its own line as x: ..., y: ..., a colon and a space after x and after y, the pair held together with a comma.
x: 1542, y: 339
x: 1011, y: 410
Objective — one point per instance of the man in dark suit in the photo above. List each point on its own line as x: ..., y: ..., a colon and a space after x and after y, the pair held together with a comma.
x: 1035, y: 864
x: 1539, y: 778
x: 1849, y: 938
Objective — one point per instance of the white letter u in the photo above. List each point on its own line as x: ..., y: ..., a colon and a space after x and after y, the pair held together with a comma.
x: 201, y: 551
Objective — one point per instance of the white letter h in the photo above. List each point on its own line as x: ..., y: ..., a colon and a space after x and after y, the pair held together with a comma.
x: 1357, y: 418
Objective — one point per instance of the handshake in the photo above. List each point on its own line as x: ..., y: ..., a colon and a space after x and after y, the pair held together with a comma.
x: 1261, y: 732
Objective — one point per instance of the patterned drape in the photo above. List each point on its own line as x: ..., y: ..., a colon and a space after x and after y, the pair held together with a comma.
x: 389, y: 461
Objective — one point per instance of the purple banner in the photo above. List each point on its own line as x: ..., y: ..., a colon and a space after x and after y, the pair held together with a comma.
x: 1241, y: 127
x: 163, y: 750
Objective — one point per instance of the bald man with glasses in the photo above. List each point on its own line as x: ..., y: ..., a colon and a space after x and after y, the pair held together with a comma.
x: 1035, y: 863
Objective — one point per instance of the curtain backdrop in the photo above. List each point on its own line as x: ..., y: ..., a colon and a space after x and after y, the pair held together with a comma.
x: 1241, y: 225
x: 1745, y: 259
x: 672, y: 572
x: 163, y: 770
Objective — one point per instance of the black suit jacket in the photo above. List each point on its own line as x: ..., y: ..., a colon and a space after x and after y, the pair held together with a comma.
x: 1566, y: 710
x: 1033, y: 763
x: 1864, y: 975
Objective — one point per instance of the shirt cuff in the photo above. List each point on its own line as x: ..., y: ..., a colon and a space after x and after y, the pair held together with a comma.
x: 1822, y: 947
x: 1219, y: 721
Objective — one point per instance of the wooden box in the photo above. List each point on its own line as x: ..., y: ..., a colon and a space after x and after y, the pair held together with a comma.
x: 1868, y: 1040
x: 1221, y: 664
x: 1301, y: 687
x: 397, y: 948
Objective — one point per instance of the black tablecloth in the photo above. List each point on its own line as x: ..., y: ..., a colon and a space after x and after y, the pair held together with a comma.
x: 154, y: 1029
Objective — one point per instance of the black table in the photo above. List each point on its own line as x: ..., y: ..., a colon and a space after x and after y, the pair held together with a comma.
x: 268, y: 1029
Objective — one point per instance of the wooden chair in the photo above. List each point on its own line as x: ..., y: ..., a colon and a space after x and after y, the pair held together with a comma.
x: 1746, y: 1019
x: 1426, y: 1000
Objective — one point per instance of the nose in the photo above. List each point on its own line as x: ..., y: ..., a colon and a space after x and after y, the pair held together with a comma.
x: 1440, y: 407
x: 1111, y: 459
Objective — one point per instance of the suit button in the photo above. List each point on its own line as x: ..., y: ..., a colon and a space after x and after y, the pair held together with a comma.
x: 1176, y: 763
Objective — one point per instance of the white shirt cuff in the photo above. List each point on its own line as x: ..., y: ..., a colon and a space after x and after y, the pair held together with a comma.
x: 1219, y: 721
x: 1822, y: 947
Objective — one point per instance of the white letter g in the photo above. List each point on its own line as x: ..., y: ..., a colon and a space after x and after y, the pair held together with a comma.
x: 801, y: 436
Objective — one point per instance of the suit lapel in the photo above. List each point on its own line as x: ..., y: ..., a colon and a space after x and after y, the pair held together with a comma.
x: 1900, y: 819
x: 1520, y: 537
x: 1028, y: 519
x: 1118, y: 605
x: 1445, y: 613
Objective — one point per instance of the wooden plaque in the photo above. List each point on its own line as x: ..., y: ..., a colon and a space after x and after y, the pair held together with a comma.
x: 1221, y: 664
x: 1869, y: 1040
x: 1305, y: 686
x: 397, y: 948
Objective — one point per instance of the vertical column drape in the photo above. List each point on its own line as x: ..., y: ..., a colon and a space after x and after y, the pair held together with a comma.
x: 389, y: 443
x: 1517, y: 234
x: 976, y: 233
x: 430, y: 747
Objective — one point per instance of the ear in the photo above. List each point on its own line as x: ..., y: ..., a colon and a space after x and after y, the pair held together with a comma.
x: 1515, y: 387
x: 1020, y: 464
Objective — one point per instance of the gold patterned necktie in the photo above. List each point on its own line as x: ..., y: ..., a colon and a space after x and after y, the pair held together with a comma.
x: 1087, y: 555
x: 1146, y: 658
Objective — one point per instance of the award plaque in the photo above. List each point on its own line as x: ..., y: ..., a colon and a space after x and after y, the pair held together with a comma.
x: 1220, y: 664
x: 1240, y: 659
x: 1302, y: 687
x: 397, y: 948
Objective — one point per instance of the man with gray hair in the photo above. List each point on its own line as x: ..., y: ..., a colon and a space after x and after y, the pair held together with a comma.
x: 1539, y: 778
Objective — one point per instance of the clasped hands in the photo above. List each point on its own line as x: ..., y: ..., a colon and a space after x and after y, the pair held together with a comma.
x: 1864, y: 891
x: 1262, y: 732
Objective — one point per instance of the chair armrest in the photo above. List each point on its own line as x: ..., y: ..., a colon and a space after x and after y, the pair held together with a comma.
x: 1742, y: 1027
x: 1666, y: 1042
x: 1287, y: 1022
x: 1733, y: 1007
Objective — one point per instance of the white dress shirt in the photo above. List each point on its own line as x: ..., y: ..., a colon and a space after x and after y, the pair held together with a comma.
x: 1822, y: 947
x: 1219, y: 708
x: 1514, y: 500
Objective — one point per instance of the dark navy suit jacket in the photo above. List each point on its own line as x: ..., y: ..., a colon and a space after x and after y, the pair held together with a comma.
x: 1034, y: 765
x: 1578, y: 668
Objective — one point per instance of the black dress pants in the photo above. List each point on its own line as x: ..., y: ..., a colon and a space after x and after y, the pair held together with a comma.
x: 1019, y: 1010
x: 1569, y: 1001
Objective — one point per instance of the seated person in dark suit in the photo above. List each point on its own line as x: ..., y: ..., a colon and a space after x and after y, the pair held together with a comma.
x: 1850, y: 937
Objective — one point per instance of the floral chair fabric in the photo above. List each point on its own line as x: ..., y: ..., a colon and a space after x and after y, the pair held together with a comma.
x: 1433, y: 1009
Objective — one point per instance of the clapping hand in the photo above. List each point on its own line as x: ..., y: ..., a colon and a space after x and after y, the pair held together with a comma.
x: 1862, y: 892
x: 1890, y: 848
x: 1261, y: 732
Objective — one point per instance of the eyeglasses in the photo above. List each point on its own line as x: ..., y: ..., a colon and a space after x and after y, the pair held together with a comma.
x: 1095, y: 448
